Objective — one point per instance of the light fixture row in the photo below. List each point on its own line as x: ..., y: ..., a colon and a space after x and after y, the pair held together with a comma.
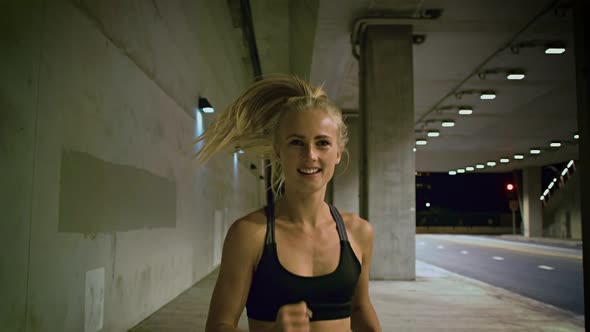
x: 504, y: 160
x: 564, y: 172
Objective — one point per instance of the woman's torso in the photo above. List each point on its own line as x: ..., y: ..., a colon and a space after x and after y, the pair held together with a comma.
x: 312, y: 253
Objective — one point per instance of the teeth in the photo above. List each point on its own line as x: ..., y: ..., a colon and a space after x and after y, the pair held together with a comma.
x: 309, y: 170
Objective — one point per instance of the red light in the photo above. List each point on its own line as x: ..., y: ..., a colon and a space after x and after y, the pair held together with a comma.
x: 510, y: 187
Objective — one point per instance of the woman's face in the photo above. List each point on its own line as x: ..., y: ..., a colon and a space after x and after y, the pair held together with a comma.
x: 308, y: 148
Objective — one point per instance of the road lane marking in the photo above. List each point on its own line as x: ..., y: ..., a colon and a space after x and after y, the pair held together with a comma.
x: 440, y: 247
x: 498, y: 258
x: 464, y: 252
x: 545, y: 267
x: 527, y: 251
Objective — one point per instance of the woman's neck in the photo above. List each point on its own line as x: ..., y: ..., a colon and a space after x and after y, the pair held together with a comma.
x: 307, y: 209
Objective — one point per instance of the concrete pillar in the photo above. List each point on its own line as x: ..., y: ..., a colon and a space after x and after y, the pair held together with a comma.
x: 346, y: 177
x: 581, y: 42
x: 387, y: 182
x: 531, y: 204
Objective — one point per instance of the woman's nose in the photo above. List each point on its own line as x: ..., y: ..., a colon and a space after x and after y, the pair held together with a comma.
x: 310, y: 152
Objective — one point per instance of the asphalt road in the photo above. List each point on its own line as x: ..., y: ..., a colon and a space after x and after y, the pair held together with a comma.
x: 550, y: 274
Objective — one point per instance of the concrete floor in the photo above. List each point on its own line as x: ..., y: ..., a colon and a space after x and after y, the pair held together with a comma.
x: 437, y: 301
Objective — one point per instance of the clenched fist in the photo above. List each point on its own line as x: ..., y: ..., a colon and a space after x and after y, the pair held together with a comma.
x: 293, y: 318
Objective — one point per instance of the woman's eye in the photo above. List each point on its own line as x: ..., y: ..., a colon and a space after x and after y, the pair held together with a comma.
x: 323, y: 143
x: 297, y: 142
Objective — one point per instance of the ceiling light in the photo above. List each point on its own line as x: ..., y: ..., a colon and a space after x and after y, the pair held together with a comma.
x: 542, y: 198
x: 554, y: 50
x: 570, y: 164
x: 480, y: 166
x: 555, y: 144
x: 452, y: 172
x: 535, y: 151
x: 448, y: 123
x: 564, y: 172
x: 414, y: 149
x: 487, y: 95
x: 469, y: 168
x: 491, y: 163
x: 576, y: 136
x: 546, y: 192
x: 504, y: 160
x: 421, y: 141
x: 551, y: 185
x: 460, y: 170
x: 465, y: 110
x: 433, y: 133
x: 518, y: 156
x: 515, y: 75
x: 205, y: 106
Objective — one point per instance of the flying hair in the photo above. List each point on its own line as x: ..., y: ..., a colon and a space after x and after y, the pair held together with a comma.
x: 250, y: 122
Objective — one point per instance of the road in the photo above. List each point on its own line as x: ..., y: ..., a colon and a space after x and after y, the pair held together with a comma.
x: 548, y: 273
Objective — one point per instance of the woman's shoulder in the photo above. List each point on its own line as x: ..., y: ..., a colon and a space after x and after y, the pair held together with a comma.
x: 249, y: 225
x: 358, y: 227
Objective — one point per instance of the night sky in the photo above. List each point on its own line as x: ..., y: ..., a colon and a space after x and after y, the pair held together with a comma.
x: 469, y: 192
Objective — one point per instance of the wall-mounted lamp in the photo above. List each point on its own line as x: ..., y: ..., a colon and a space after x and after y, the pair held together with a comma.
x: 448, y: 123
x: 205, y: 106
x: 483, y: 94
x: 511, y: 74
x: 433, y: 133
x: 462, y: 110
x: 421, y: 141
x: 487, y: 95
x: 515, y: 75
x: 550, y: 47
x: 465, y: 110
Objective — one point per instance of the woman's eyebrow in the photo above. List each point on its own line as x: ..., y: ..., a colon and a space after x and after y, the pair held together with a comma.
x: 301, y: 136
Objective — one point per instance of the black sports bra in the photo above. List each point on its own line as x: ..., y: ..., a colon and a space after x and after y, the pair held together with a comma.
x: 328, y: 296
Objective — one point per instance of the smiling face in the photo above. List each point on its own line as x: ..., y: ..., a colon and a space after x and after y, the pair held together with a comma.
x: 308, y: 147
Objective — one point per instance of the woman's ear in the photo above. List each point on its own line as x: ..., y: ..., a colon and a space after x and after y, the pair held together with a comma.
x: 339, y: 153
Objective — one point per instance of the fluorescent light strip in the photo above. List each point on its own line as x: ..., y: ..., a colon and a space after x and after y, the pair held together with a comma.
x: 535, y: 151
x: 469, y: 168
x: 448, y: 124
x: 554, y: 50
x: 452, y: 172
x: 504, y: 160
x: 570, y: 164
x: 479, y: 166
x: 518, y: 156
x: 515, y: 76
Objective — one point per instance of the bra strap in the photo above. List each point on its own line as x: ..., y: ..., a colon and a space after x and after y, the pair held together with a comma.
x: 270, y: 224
x: 339, y: 223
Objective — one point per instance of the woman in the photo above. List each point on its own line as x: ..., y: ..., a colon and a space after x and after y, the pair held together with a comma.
x: 299, y: 264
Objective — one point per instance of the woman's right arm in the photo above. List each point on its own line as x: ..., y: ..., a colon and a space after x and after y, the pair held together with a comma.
x: 235, y: 275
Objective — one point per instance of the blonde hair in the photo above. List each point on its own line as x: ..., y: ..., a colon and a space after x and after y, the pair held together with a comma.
x: 250, y: 122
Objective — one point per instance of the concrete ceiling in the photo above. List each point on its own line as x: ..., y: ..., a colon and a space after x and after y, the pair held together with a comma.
x: 469, y: 37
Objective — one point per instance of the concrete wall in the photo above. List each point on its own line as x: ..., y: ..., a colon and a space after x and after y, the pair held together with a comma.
x: 104, y: 217
x: 346, y: 176
x: 563, y: 204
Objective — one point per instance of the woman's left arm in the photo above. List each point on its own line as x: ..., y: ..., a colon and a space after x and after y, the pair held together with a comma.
x: 364, y: 318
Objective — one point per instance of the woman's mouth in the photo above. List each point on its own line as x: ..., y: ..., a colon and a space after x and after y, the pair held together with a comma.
x: 309, y: 171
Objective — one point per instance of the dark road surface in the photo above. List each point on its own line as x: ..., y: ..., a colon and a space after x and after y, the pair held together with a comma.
x: 550, y: 274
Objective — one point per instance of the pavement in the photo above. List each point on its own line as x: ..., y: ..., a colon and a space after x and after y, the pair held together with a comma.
x: 438, y: 300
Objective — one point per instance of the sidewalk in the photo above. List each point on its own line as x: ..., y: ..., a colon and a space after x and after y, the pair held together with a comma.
x: 543, y: 240
x: 437, y: 301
